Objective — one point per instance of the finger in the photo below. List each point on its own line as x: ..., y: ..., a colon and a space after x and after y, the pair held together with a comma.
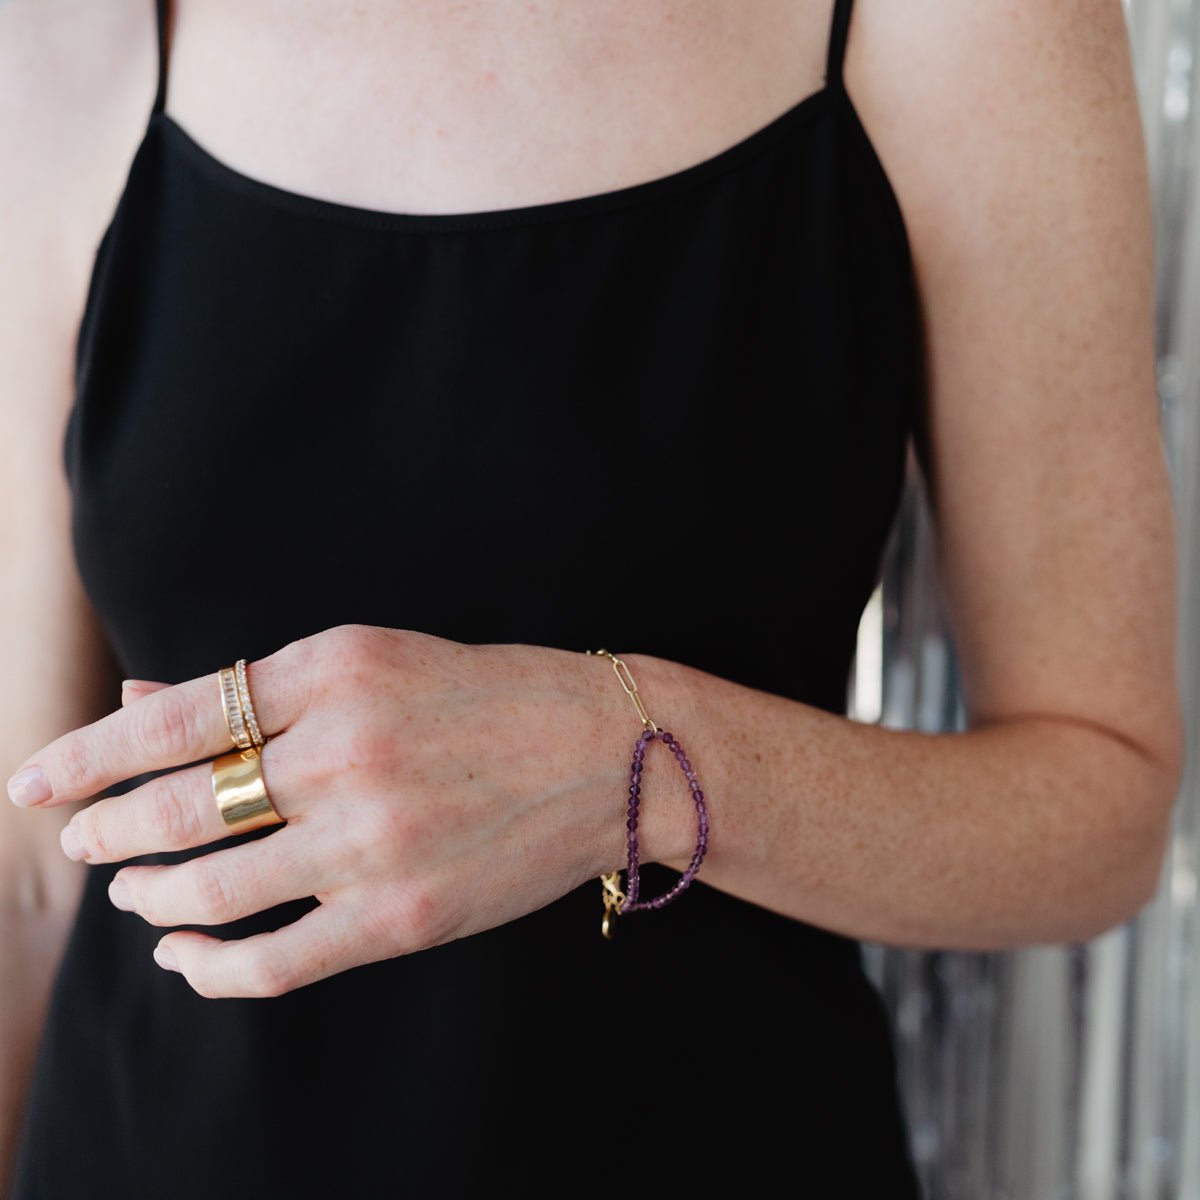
x: 178, y: 724
x: 135, y: 689
x: 175, y: 811
x: 324, y: 941
x: 225, y: 885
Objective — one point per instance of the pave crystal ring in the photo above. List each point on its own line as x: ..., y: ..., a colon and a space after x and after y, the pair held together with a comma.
x: 240, y: 720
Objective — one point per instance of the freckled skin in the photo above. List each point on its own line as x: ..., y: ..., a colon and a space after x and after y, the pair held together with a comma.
x: 1011, y: 136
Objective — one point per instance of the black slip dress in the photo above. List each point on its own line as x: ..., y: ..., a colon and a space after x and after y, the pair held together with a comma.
x: 431, y: 422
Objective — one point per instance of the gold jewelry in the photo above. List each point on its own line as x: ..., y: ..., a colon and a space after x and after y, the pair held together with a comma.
x: 618, y: 901
x: 231, y: 703
x: 240, y: 719
x: 241, y: 794
x: 243, y: 691
x: 614, y: 897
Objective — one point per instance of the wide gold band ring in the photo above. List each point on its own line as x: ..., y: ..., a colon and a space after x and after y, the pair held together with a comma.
x: 240, y: 718
x: 241, y: 794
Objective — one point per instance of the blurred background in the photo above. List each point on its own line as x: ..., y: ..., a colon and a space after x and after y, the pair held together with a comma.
x: 1066, y: 1072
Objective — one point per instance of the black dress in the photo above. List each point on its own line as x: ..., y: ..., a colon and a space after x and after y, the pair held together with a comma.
x: 432, y: 422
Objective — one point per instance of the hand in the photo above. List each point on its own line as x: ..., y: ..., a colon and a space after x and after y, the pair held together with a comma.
x: 431, y: 789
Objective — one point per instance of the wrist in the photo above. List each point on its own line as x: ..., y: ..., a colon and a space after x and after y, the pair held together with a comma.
x: 667, y: 821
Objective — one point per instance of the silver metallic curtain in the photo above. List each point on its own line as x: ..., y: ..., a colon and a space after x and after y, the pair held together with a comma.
x: 1066, y: 1072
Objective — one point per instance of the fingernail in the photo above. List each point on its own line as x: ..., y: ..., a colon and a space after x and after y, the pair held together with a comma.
x: 118, y: 893
x: 165, y: 957
x: 72, y: 843
x: 29, y: 786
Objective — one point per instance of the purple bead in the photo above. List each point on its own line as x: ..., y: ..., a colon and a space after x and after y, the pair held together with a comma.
x: 633, y: 902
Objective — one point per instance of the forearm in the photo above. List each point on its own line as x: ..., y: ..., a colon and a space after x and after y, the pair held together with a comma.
x: 1028, y: 831
x: 33, y: 933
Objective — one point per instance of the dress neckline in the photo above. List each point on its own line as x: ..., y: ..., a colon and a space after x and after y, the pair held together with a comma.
x: 574, y: 207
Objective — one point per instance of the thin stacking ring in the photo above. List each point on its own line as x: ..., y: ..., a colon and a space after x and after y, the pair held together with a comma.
x: 243, y: 691
x: 231, y: 702
x: 241, y: 793
x: 240, y: 719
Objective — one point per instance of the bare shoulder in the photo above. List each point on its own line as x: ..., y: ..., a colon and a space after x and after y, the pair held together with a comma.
x: 957, y: 96
x: 78, y: 84
x: 79, y: 81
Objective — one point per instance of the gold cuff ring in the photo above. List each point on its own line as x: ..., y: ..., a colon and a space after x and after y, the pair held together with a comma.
x: 241, y: 794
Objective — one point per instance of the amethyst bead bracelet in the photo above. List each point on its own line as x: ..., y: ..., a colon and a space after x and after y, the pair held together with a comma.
x: 615, y: 900
x: 632, y: 903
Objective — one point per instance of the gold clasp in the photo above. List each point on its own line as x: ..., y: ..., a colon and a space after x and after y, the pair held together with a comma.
x: 613, y: 899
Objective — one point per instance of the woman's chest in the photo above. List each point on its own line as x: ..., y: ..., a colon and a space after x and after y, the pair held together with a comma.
x: 437, y: 108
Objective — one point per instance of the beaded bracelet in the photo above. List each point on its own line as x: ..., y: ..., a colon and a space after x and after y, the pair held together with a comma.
x: 615, y: 900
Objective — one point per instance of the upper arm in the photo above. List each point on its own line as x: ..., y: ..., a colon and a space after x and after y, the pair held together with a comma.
x: 62, y: 127
x: 1012, y: 134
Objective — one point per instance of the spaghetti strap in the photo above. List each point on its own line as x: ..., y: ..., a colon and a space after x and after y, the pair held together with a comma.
x: 838, y: 29
x: 163, y: 15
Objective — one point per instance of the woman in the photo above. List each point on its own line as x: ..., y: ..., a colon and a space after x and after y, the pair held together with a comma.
x: 428, y: 346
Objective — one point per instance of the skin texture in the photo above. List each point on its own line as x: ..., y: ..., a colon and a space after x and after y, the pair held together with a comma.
x: 1010, y: 133
x: 431, y: 789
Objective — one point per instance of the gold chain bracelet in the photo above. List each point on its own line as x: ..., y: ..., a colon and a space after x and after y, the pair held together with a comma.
x: 616, y: 901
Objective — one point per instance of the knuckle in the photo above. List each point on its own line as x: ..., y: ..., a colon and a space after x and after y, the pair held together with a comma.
x: 167, y: 729
x: 364, y: 745
x: 291, y: 670
x: 424, y: 915
x: 208, y: 989
x: 379, y: 837
x: 174, y: 821
x: 93, y: 837
x: 76, y: 768
x: 216, y: 893
x: 268, y: 975
x: 350, y: 652
x: 415, y: 916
